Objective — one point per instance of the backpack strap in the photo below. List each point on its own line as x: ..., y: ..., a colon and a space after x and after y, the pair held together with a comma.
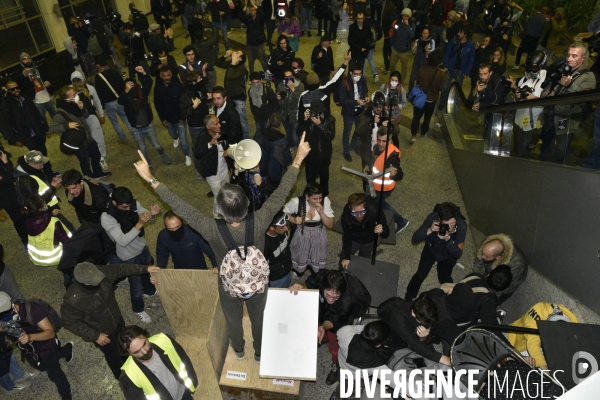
x: 249, y: 239
x: 228, y: 238
x: 65, y: 116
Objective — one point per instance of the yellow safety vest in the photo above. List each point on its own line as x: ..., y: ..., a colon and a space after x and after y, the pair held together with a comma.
x: 41, y: 249
x: 140, y: 379
x: 43, y: 188
x: 388, y: 183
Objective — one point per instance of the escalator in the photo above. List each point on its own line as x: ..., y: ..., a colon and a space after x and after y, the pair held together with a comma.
x: 550, y: 207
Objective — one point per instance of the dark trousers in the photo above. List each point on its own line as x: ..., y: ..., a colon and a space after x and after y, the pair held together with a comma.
x: 38, y: 142
x: 444, y: 270
x: 364, y: 250
x: 49, y: 363
x: 387, y: 52
x: 270, y: 29
x: 90, y: 154
x: 323, y: 22
x: 12, y: 208
x: 111, y: 351
x: 376, y: 12
x: 138, y: 284
x: 427, y: 110
x: 528, y: 45
x: 316, y: 166
x: 333, y: 25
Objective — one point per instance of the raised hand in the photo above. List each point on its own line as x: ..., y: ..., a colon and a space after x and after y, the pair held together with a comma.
x: 142, y: 168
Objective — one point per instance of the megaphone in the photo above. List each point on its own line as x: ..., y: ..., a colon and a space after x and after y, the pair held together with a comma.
x: 246, y: 153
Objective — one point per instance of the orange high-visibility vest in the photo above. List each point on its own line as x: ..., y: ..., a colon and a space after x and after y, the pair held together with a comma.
x: 388, y: 183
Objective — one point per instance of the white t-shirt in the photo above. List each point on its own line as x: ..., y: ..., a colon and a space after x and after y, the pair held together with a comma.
x: 292, y: 208
x: 525, y: 116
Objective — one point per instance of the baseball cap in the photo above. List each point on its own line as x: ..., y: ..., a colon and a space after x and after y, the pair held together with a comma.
x: 153, y: 27
x: 87, y: 272
x: 35, y: 157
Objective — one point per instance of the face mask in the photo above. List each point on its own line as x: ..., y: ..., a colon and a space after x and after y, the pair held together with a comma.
x: 356, y: 78
x: 288, y: 80
x: 393, y: 84
x: 176, y: 235
x: 76, y: 99
x: 256, y: 85
x: 123, y: 213
x: 532, y: 75
x: 297, y: 70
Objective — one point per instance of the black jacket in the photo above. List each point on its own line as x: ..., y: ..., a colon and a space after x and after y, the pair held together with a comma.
x: 27, y: 186
x: 270, y: 104
x: 88, y: 313
x: 349, y: 306
x: 127, y: 102
x: 207, y: 159
x: 279, y: 55
x: 364, y: 355
x: 346, y: 95
x: 132, y: 392
x: 493, y: 94
x: 322, y: 66
x: 276, y: 154
x: 231, y: 127
x: 18, y: 121
x: 439, y: 247
x: 8, y: 193
x: 99, y: 198
x: 235, y: 79
x: 255, y: 28
x: 104, y: 93
x: 194, y: 116
x: 25, y: 84
x: 205, y: 49
x: 156, y: 65
x: 319, y: 137
x: 156, y: 40
x: 161, y: 8
x: 360, y: 232
x: 364, y: 130
x: 166, y: 100
x: 359, y: 39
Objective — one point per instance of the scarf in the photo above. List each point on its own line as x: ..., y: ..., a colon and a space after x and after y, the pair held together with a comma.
x: 256, y: 93
x: 87, y: 195
x: 127, y: 219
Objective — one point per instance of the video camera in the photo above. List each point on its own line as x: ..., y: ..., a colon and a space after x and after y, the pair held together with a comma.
x: 555, y: 72
x: 11, y: 328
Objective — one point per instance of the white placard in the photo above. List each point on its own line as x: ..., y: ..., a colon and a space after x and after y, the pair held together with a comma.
x: 586, y: 390
x: 288, y: 324
x: 238, y: 376
x: 284, y: 382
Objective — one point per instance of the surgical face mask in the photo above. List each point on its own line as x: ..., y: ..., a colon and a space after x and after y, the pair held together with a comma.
x: 532, y: 75
x: 296, y: 70
x: 256, y: 84
x: 76, y: 99
x: 356, y: 78
x: 393, y: 84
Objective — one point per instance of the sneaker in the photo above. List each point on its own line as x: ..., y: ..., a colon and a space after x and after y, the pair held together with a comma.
x: 120, y: 283
x: 187, y: 35
x: 240, y: 355
x: 56, y: 174
x: 376, y: 78
x: 123, y: 74
x: 145, y: 318
x: 69, y: 349
x: 257, y: 358
x: 403, y: 227
x: 148, y: 296
x: 386, y: 72
x: 18, y: 387
x: 165, y: 159
x: 347, y: 157
x: 28, y: 376
x: 423, y: 135
x: 333, y: 375
x: 176, y: 143
x: 104, y: 165
x: 188, y: 161
x: 515, y: 68
x: 198, y: 176
x: 210, y: 194
x: 413, y: 139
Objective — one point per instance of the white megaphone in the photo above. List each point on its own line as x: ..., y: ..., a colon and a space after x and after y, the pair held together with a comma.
x: 246, y: 153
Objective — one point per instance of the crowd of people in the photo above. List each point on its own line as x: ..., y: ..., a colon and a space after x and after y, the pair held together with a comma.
x: 252, y: 212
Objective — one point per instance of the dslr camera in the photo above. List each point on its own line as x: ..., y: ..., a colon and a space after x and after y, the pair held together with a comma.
x: 11, y: 328
x: 523, y: 91
x: 314, y: 114
x: 444, y: 228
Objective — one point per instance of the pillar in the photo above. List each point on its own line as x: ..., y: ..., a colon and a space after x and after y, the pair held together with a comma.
x: 55, y: 24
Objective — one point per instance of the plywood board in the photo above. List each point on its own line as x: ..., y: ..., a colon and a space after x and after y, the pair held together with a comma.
x: 218, y: 340
x: 389, y: 218
x: 196, y: 349
x: 380, y: 279
x: 189, y: 298
x: 289, y: 323
x: 251, y: 380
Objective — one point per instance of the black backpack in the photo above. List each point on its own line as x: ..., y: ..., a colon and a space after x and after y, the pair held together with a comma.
x: 53, y: 316
x: 139, y: 21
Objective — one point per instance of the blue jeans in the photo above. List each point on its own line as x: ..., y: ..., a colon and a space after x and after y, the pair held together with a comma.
x: 306, y: 19
x: 113, y: 109
x: 223, y: 27
x: 371, y: 60
x: 292, y: 136
x: 138, y: 284
x: 240, y: 106
x: 148, y: 132
x: 283, y: 283
x: 400, y: 221
x: 179, y: 132
x: 184, y: 22
x: 16, y: 371
x: 348, y: 123
x: 47, y: 106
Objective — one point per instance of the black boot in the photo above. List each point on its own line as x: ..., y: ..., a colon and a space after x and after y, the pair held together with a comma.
x: 334, y: 374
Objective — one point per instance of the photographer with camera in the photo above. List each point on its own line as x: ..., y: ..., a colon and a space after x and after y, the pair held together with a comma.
x: 529, y: 87
x: 354, y: 96
x: 489, y: 91
x: 263, y: 102
x: 444, y: 232
x: 561, y: 121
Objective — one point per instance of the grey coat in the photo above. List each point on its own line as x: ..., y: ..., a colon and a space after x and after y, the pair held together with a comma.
x: 9, y: 286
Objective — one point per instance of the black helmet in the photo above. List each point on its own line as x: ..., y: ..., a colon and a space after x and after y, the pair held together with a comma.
x: 378, y: 99
x: 535, y: 61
